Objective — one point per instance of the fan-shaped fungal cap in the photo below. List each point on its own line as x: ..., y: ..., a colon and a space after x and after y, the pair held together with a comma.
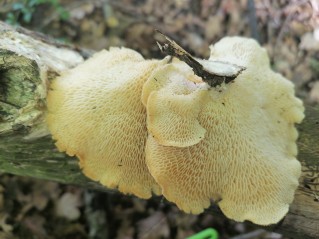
x: 247, y: 159
x: 95, y: 112
x: 173, y: 110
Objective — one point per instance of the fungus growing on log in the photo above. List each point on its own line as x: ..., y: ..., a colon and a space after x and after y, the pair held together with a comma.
x: 95, y: 112
x: 191, y: 131
x: 246, y: 158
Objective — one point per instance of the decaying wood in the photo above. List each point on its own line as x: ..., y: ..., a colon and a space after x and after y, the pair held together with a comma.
x: 29, y: 61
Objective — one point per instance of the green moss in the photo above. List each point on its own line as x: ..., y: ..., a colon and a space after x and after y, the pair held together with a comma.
x: 19, y: 78
x: 308, y: 142
x: 20, y: 96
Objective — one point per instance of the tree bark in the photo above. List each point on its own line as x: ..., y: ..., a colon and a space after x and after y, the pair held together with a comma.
x: 28, y: 61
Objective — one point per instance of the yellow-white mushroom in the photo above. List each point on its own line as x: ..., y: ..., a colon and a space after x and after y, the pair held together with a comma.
x: 95, y: 112
x: 173, y: 105
x: 234, y: 144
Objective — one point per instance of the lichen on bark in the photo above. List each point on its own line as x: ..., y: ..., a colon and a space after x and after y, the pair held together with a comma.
x: 22, y: 92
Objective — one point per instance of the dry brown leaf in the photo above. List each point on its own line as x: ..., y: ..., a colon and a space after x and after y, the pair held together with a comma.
x: 43, y: 192
x: 35, y: 224
x: 302, y: 74
x: 68, y: 206
x: 309, y: 42
x: 126, y: 230
x: 213, y: 27
x: 81, y: 11
x: 154, y: 227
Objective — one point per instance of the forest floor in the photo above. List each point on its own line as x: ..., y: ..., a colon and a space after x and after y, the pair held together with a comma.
x: 288, y: 29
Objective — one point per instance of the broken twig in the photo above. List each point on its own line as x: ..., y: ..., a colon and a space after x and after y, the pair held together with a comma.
x: 214, y: 73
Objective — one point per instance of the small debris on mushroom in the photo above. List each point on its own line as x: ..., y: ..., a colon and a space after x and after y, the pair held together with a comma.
x: 245, y: 160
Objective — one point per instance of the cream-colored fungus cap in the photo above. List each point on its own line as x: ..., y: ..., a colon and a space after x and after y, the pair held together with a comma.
x: 173, y: 109
x: 246, y: 161
x: 95, y: 112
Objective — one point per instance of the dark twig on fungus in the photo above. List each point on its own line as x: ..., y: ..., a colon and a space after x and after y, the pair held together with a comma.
x: 213, y: 79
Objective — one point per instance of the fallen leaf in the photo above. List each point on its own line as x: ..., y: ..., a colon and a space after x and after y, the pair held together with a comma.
x: 153, y: 227
x: 35, y: 224
x: 309, y: 42
x: 68, y: 206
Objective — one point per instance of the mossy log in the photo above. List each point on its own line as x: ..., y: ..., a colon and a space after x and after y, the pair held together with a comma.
x: 28, y: 61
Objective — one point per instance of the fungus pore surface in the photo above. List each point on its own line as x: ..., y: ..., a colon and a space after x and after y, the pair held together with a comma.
x: 95, y: 112
x: 173, y: 109
x: 234, y: 144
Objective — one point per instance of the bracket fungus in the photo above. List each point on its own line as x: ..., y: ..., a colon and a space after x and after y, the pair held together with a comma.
x: 146, y: 126
x: 246, y: 160
x: 95, y: 113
